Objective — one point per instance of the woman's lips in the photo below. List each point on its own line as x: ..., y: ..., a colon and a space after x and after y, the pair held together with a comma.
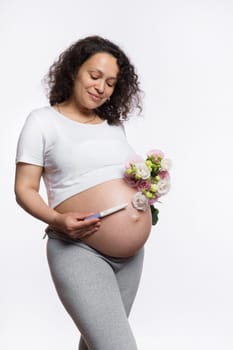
x: 95, y: 97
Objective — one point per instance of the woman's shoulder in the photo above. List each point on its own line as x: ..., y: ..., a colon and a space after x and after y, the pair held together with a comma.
x: 41, y: 112
x: 40, y: 121
x: 42, y: 116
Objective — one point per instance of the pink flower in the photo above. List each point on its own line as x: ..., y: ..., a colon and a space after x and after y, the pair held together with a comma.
x: 164, y: 175
x: 156, y: 153
x: 143, y: 185
x: 130, y: 181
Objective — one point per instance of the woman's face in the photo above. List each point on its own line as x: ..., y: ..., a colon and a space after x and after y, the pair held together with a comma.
x: 95, y: 81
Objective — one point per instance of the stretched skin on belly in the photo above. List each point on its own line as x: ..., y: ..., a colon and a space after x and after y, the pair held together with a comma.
x: 121, y: 234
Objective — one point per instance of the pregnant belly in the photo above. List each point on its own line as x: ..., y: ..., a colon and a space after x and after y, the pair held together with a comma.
x: 121, y: 234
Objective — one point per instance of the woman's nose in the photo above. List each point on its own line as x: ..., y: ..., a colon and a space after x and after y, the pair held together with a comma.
x: 100, y: 86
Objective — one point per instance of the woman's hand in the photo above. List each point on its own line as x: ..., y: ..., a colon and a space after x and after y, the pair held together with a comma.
x: 74, y: 225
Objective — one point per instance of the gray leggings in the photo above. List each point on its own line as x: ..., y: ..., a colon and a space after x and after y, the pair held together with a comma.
x: 97, y: 291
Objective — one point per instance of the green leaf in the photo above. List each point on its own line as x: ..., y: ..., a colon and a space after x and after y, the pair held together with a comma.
x: 154, y: 214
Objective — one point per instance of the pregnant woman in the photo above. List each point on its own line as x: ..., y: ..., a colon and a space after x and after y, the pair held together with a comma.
x: 77, y: 145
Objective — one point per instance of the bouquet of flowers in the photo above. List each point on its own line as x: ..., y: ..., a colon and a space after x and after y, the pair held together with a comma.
x: 151, y: 178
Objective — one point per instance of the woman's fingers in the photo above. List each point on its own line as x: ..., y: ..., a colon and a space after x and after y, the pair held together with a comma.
x: 84, y: 216
x: 74, y: 225
x: 84, y: 228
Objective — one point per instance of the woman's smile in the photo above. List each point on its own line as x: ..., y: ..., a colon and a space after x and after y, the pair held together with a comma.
x: 95, y: 97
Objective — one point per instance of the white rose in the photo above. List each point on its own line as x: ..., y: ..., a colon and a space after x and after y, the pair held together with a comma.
x: 166, y: 164
x: 163, y: 186
x: 142, y: 171
x: 140, y: 202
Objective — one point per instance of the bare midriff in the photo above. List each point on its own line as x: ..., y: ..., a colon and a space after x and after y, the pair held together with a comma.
x: 121, y: 234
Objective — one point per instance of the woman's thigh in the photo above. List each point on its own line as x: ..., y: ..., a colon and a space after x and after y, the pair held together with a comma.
x: 89, y: 290
x: 128, y: 278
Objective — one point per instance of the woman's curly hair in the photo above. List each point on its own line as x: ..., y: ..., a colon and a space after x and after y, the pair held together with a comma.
x: 127, y: 94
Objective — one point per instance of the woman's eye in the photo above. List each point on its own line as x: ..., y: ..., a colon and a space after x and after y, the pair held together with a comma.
x: 94, y: 77
x: 111, y: 83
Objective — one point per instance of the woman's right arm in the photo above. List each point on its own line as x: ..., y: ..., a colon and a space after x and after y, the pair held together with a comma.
x: 27, y: 184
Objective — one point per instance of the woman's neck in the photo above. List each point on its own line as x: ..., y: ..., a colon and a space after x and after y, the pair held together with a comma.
x: 74, y: 112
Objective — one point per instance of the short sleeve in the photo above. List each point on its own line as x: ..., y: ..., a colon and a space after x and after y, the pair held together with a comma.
x: 30, y: 147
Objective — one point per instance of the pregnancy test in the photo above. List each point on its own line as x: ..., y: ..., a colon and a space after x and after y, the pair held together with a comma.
x: 106, y: 212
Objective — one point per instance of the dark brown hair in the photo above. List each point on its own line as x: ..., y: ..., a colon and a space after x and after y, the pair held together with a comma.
x: 127, y: 94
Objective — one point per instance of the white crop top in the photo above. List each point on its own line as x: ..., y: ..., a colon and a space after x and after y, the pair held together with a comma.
x: 75, y: 156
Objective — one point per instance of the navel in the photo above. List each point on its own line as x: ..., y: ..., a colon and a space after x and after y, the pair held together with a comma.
x: 135, y: 217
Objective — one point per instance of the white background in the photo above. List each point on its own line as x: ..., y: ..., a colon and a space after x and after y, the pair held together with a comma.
x: 183, y: 53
